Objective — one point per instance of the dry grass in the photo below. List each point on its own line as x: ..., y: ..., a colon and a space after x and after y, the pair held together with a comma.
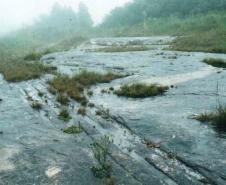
x: 114, y: 49
x: 63, y: 99
x: 19, y: 71
x: 74, y: 86
x: 217, y: 118
x: 141, y: 90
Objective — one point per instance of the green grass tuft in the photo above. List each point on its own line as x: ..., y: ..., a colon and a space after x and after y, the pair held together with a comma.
x: 215, y: 62
x: 64, y: 115
x: 73, y: 130
x: 217, y: 119
x: 141, y: 90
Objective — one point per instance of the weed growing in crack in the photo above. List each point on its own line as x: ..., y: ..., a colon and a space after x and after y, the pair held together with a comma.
x: 101, y: 150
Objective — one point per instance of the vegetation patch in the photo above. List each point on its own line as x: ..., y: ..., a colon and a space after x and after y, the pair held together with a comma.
x: 215, y: 62
x: 36, y: 105
x: 14, y: 71
x: 82, y: 111
x: 141, y: 90
x: 74, y: 86
x: 114, y: 49
x: 73, y: 129
x: 101, y: 150
x: 63, y: 99
x: 64, y: 115
x: 208, y: 41
x: 217, y: 118
x: 91, y: 105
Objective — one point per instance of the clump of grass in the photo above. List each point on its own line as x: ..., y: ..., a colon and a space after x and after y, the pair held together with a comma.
x: 73, y: 129
x: 82, y: 111
x: 63, y: 99
x: 151, y: 144
x: 111, y: 89
x: 215, y: 62
x: 74, y: 86
x: 217, y: 118
x: 16, y: 71
x: 114, y: 49
x: 88, y: 79
x: 40, y: 94
x: 101, y: 150
x: 141, y: 90
x: 91, y: 105
x: 64, y: 115
x: 90, y: 93
x: 84, y: 102
x: 36, y: 105
x: 52, y: 90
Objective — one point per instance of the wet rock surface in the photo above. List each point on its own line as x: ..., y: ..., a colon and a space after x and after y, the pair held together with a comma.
x: 154, y: 141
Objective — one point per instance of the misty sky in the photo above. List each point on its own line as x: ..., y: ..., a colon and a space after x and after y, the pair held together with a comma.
x: 15, y: 13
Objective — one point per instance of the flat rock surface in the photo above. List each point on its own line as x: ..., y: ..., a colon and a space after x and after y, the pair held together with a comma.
x: 34, y: 149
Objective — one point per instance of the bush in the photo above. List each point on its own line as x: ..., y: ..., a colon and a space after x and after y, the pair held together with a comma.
x: 141, y: 90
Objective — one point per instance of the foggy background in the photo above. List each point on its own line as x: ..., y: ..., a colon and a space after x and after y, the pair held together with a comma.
x: 17, y: 13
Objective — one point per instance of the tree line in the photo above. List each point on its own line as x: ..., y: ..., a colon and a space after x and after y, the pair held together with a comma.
x: 139, y: 10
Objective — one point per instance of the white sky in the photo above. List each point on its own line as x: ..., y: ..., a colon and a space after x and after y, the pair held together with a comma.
x: 15, y: 13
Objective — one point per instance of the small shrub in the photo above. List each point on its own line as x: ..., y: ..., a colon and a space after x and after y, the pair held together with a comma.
x: 82, y: 111
x: 73, y: 130
x: 141, y: 90
x: 63, y: 99
x: 101, y: 150
x: 215, y: 62
x: 64, y: 115
x: 36, y: 105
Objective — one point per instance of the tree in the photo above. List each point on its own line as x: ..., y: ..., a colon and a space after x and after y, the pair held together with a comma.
x: 83, y: 16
